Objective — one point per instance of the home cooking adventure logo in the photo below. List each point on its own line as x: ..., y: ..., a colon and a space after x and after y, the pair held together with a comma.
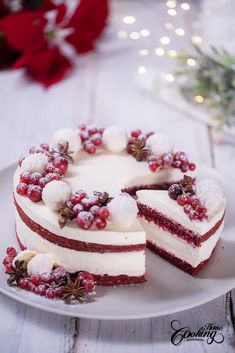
x: 209, y: 333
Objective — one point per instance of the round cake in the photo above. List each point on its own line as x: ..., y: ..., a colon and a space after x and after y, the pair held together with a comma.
x: 76, y: 198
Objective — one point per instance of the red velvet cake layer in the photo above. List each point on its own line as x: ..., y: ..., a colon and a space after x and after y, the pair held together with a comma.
x: 107, y: 280
x: 72, y: 243
x: 176, y: 261
x: 175, y: 228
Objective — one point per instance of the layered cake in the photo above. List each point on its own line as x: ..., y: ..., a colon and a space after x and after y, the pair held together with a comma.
x: 183, y: 224
x: 74, y: 198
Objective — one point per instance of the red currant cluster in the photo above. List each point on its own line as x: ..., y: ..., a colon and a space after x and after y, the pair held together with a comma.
x: 91, y: 137
x: 88, y: 210
x: 191, y: 203
x: 32, y: 184
x: 47, y: 285
x: 178, y: 160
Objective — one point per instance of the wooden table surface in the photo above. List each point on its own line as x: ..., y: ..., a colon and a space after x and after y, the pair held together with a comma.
x: 102, y: 91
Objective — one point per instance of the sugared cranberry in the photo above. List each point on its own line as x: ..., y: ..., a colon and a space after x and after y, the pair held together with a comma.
x: 194, y: 201
x: 35, y: 149
x: 167, y: 159
x: 153, y: 165
x: 47, y: 278
x: 184, y: 167
x: 100, y: 130
x: 176, y: 164
x: 45, y: 146
x: 11, y: 252
x: 85, y: 219
x: 50, y: 168
x: 78, y: 196
x: 22, y: 189
x: 43, y: 181
x: 100, y: 223
x: 50, y: 293
x: 193, y: 215
x: 41, y: 289
x: 92, y: 130
x: 35, y: 177
x: 32, y: 287
x: 89, y: 147
x: 136, y: 133
x: 103, y: 212
x: 87, y: 280
x: 84, y: 136
x: 34, y: 193
x: 182, y: 200
x: 95, y: 210
x: 23, y: 283
x: 82, y: 127
x: 192, y: 166
x: 36, y: 279
x: 88, y: 202
x: 174, y: 191
x: 60, y: 275
x: 9, y: 268
x: 202, y: 210
x: 187, y: 208
x: 181, y: 156
x: 53, y: 176
x: 7, y: 260
x: 25, y: 177
x: 77, y: 208
x: 58, y: 292
x: 20, y: 161
x: 96, y: 139
x: 61, y: 163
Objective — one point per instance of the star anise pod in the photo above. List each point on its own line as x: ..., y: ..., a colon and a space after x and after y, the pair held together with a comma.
x: 103, y: 197
x: 139, y: 150
x: 73, y: 290
x: 65, y: 215
x: 187, y: 185
x: 63, y: 150
x: 19, y: 271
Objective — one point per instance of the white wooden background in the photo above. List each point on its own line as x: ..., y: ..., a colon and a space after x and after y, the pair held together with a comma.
x: 102, y: 91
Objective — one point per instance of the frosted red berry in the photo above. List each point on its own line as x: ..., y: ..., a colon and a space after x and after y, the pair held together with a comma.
x: 193, y: 215
x: 174, y: 191
x: 50, y: 293
x: 43, y: 181
x: 34, y: 193
x: 153, y: 166
x: 20, y: 161
x: 95, y: 210
x: 36, y: 279
x: 11, y: 252
x: 53, y: 176
x: 47, y: 278
x: 92, y: 130
x: 22, y: 189
x: 41, y: 289
x: 32, y: 287
x: 25, y: 177
x: 85, y: 219
x: 58, y: 292
x: 96, y: 139
x: 23, y: 283
x: 77, y: 208
x: 192, y: 166
x: 7, y: 260
x: 82, y: 127
x: 87, y: 280
x: 181, y: 156
x: 136, y: 133
x: 61, y: 163
x: 88, y: 202
x: 103, y: 212
x: 9, y: 268
x: 167, y: 159
x: 182, y: 200
x: 45, y: 146
x: 89, y: 147
x: 184, y: 167
x: 35, y: 177
x: 100, y: 223
x: 187, y: 208
x: 78, y: 196
x: 59, y: 275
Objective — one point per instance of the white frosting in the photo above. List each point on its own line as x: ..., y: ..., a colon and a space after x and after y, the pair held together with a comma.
x: 67, y: 135
x: 40, y: 264
x: 55, y: 194
x: 159, y: 144
x: 210, y: 193
x: 35, y: 162
x: 159, y: 200
x: 114, y: 139
x: 179, y: 247
x: 25, y: 255
x: 114, y: 264
x: 123, y: 210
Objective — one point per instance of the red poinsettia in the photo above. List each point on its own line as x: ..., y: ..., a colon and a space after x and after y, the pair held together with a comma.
x: 37, y: 38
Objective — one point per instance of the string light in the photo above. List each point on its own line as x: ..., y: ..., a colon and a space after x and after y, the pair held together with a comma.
x: 129, y: 19
x: 145, y: 32
x: 185, y: 6
x: 142, y: 69
x: 170, y: 77
x: 171, y: 4
x: 180, y: 32
x: 196, y: 40
x: 134, y: 35
x: 122, y: 34
x: 172, y: 12
x: 191, y: 62
x: 165, y: 40
x: 199, y: 99
x: 143, y: 52
x: 160, y: 51
x: 172, y: 53
x: 169, y: 25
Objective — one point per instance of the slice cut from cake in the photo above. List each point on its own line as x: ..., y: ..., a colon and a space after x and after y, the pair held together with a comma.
x: 183, y: 224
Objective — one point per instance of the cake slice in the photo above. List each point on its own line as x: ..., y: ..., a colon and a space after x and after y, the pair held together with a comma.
x: 183, y: 224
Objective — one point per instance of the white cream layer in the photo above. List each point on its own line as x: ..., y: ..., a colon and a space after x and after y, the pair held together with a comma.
x: 179, y: 247
x: 160, y: 201
x: 113, y: 264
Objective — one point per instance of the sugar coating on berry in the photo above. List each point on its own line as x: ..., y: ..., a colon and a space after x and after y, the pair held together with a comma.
x: 123, y: 210
x: 35, y: 162
x: 25, y: 255
x: 115, y: 139
x: 40, y: 264
x: 159, y: 144
x: 67, y: 135
x: 55, y: 194
x: 210, y: 193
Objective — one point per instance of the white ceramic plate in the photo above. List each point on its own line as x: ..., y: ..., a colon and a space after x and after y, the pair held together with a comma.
x: 168, y: 289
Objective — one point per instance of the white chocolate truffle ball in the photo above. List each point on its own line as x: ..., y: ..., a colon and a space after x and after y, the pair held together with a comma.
x: 35, y: 162
x: 123, y: 210
x: 114, y: 139
x: 25, y: 255
x: 67, y: 135
x: 40, y: 264
x: 209, y: 193
x: 159, y: 144
x: 55, y: 194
